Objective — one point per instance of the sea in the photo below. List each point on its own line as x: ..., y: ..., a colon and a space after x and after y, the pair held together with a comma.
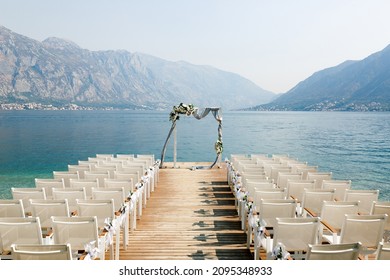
x: 352, y: 145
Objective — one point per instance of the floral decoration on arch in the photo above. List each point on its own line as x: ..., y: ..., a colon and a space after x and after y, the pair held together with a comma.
x: 181, y: 109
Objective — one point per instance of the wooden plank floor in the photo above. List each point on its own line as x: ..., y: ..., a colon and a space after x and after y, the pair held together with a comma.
x: 190, y: 216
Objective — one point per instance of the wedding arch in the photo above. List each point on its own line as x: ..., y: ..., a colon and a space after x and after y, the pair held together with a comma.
x: 198, y: 113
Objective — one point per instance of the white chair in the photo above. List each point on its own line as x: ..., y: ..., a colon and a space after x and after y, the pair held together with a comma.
x: 305, y: 170
x: 131, y: 167
x: 252, y: 185
x: 365, y: 198
x: 112, y: 163
x: 296, y: 165
x: 275, y: 170
x: 283, y: 178
x: 104, y: 169
x: 290, y: 162
x: 268, y: 167
x: 11, y: 208
x: 150, y: 158
x: 295, y: 234
x: 66, y: 175
x: 87, y: 163
x: 270, y: 209
x: 319, y: 177
x: 259, y: 156
x: 332, y: 217
x: 48, y: 184
x: 117, y: 162
x: 137, y: 161
x: 87, y: 184
x: 340, y: 186
x: 105, y: 156
x: 238, y: 160
x: 250, y: 188
x: 100, y: 208
x: 25, y: 194
x: 347, y: 251
x: 383, y: 251
x: 44, y: 209
x: 367, y: 229
x: 117, y: 194
x: 81, y: 233
x: 271, y: 193
x: 249, y: 185
x: 241, y: 165
x: 105, y: 212
x: 138, y: 169
x: 153, y: 165
x: 100, y: 175
x: 81, y: 169
x: 125, y: 156
x: 70, y: 194
x: 296, y: 188
x: 120, y: 204
x: 130, y: 192
x: 382, y: 207
x: 135, y: 177
x: 263, y: 194
x: 252, y: 169
x: 127, y: 185
x: 146, y: 162
x: 312, y: 201
x: 41, y: 252
x: 280, y: 157
x: 154, y: 173
x: 264, y: 162
x: 96, y: 160
x: 127, y: 175
x: 255, y: 178
x: 18, y: 230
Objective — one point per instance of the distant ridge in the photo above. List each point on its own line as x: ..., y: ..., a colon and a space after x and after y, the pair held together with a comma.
x: 58, y: 72
x: 351, y: 86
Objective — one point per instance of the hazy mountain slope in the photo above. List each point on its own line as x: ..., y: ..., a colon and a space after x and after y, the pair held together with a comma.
x: 57, y: 71
x: 352, y: 85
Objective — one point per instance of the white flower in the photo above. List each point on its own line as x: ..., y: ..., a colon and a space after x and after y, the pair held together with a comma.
x: 91, y: 250
x: 280, y: 253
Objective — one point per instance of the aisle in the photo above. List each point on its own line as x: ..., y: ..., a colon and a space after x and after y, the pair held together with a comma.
x: 190, y: 216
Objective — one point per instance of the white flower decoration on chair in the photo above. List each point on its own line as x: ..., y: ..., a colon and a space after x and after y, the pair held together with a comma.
x: 280, y: 253
x: 91, y: 250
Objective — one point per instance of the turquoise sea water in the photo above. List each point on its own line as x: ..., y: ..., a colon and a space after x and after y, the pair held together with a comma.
x: 352, y: 145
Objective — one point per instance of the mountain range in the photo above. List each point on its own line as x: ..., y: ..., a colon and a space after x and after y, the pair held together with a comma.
x: 362, y: 85
x: 59, y: 72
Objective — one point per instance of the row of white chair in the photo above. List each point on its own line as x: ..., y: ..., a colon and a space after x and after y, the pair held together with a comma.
x: 81, y: 233
x: 105, y: 203
x: 293, y: 237
x: 333, y: 228
x: 347, y: 251
x: 306, y: 200
x: 109, y: 203
x: 295, y: 187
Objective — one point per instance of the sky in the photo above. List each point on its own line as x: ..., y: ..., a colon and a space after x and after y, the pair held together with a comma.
x: 274, y: 43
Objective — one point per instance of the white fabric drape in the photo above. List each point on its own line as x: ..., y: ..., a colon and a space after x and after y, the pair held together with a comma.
x: 200, y: 113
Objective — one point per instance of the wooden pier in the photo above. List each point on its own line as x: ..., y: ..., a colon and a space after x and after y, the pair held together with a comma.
x: 190, y: 216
